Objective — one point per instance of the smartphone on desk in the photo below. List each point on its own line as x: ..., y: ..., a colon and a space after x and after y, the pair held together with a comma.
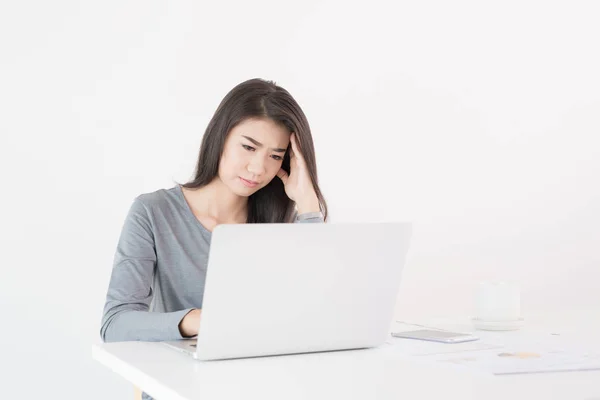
x: 436, y: 336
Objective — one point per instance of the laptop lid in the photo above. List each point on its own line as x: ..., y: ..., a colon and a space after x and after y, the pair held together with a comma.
x: 294, y: 288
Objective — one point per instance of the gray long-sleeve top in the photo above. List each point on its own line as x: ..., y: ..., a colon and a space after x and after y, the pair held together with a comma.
x: 159, y: 268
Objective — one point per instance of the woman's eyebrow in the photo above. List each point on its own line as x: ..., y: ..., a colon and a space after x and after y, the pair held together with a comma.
x: 259, y: 144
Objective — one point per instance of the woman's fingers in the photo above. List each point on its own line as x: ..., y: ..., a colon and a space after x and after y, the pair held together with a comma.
x: 282, y: 175
x: 295, y: 150
x: 293, y: 159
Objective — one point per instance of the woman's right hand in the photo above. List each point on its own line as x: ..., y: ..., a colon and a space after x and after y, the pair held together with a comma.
x: 190, y: 324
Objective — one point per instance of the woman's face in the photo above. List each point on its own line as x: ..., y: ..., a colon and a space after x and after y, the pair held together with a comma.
x: 252, y: 155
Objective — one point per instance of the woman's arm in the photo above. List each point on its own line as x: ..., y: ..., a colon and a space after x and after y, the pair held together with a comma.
x: 308, y: 209
x: 309, y: 217
x: 299, y: 187
x: 126, y: 316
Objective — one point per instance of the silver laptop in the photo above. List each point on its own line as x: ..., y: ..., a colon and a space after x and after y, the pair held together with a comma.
x: 274, y: 289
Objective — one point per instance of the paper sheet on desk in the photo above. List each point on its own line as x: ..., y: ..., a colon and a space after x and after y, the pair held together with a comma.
x: 520, y: 361
x: 528, y: 355
x: 517, y: 354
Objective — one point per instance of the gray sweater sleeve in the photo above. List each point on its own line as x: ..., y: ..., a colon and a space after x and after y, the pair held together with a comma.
x: 126, y: 315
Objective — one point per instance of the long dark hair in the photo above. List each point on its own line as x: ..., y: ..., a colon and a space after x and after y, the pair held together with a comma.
x: 258, y: 98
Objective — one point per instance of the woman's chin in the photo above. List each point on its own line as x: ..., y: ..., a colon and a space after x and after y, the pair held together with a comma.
x: 243, y: 191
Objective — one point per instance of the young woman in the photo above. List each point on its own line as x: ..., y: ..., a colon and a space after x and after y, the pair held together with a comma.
x: 256, y: 165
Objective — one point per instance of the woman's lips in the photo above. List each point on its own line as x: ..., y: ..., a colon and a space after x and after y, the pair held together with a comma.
x: 248, y: 183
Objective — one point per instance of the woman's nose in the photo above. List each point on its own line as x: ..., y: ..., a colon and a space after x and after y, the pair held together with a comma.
x: 256, y: 166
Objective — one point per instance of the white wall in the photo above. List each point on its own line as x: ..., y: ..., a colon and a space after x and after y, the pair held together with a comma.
x: 477, y: 121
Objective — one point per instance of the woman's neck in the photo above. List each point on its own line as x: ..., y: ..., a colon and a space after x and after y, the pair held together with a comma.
x: 217, y: 202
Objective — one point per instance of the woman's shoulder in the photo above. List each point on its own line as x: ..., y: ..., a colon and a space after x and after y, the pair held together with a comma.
x: 160, y: 200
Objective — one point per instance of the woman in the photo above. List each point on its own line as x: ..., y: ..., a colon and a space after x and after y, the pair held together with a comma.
x: 256, y: 165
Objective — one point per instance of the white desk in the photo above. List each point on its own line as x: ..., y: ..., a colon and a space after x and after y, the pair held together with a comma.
x: 362, y: 374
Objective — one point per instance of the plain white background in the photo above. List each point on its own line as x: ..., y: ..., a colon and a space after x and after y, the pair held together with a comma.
x: 478, y: 121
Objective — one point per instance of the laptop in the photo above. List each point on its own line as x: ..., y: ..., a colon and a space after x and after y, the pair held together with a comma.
x: 276, y: 289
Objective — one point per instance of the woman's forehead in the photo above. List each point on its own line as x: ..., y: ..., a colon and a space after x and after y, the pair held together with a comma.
x: 265, y: 129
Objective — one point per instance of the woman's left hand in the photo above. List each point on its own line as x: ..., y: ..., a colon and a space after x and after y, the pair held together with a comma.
x: 298, y: 185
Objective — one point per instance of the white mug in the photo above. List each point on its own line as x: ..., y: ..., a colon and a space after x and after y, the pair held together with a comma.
x: 498, y: 301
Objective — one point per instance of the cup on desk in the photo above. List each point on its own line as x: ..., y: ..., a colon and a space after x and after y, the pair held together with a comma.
x: 498, y: 306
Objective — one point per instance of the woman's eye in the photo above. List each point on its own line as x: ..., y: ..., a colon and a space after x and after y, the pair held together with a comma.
x: 249, y: 148
x: 278, y: 158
